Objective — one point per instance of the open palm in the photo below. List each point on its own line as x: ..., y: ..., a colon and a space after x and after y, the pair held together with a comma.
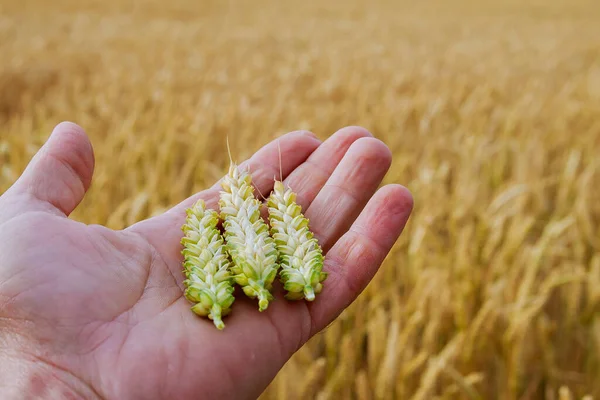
x: 89, y: 312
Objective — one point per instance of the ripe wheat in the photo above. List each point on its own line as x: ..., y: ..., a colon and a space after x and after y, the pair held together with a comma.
x: 490, y: 109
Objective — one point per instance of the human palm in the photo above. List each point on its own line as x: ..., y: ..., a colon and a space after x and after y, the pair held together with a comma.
x: 89, y: 312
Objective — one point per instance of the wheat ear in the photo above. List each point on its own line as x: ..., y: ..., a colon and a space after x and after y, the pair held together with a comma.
x: 251, y: 248
x: 206, y: 265
x: 300, y: 255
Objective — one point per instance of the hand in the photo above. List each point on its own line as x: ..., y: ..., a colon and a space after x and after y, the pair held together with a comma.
x: 89, y: 312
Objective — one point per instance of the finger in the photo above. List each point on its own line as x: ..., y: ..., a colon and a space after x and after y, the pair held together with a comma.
x: 308, y: 179
x: 60, y: 173
x: 164, y: 231
x: 356, y: 257
x: 348, y: 189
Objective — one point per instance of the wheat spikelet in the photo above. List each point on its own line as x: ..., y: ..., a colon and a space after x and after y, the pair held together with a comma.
x: 300, y: 255
x: 252, y: 249
x: 206, y: 265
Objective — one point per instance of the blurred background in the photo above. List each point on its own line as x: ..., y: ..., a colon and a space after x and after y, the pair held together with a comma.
x: 491, y: 109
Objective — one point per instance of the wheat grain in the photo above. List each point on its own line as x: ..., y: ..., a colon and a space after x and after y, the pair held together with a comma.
x: 300, y: 255
x: 206, y: 266
x: 247, y: 235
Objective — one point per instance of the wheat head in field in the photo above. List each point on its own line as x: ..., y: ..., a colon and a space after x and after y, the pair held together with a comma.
x: 491, y: 110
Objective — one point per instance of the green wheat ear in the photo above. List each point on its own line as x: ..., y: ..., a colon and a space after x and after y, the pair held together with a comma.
x: 206, y: 266
x: 300, y: 255
x: 251, y: 248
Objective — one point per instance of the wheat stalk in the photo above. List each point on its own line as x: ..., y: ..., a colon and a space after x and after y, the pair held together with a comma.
x: 252, y: 249
x: 206, y: 265
x: 300, y: 255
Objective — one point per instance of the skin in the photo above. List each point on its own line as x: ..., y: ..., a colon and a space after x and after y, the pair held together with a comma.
x: 88, y: 312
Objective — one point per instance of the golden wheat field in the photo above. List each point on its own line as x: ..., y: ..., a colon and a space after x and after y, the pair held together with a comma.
x: 492, y: 112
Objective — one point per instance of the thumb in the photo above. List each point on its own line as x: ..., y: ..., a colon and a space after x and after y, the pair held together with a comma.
x: 60, y: 173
